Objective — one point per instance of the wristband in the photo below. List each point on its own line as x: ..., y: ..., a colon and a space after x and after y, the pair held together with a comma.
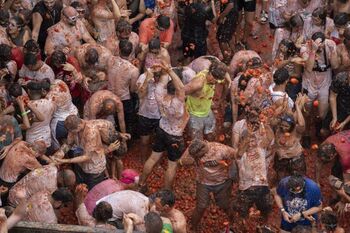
x: 282, y: 210
x: 25, y: 113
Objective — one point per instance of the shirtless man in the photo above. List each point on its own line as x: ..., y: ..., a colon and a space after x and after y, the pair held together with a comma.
x: 122, y: 78
x: 170, y: 97
x: 343, y: 49
x: 239, y: 61
x: 106, y: 105
x: 60, y: 95
x: 104, y: 19
x: 252, y: 140
x: 321, y: 57
x: 202, y: 63
x: 164, y: 201
x: 200, y: 92
x: 213, y: 162
x: 334, y: 148
x: 93, y: 60
x: 67, y: 34
x: 92, y: 136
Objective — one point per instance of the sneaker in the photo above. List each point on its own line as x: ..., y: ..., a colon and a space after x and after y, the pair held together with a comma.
x: 263, y: 17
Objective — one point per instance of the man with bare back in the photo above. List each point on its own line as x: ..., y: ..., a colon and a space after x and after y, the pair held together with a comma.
x: 67, y: 34
x: 93, y: 60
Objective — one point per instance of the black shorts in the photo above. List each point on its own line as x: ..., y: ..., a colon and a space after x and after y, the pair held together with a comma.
x: 174, y: 145
x: 248, y: 6
x: 146, y: 126
x: 258, y: 195
x: 226, y: 29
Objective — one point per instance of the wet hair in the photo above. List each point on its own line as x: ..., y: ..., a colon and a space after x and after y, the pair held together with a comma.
x: 195, y: 147
x: 171, y: 88
x: 341, y: 19
x: 286, y: 117
x: 91, y: 56
x: 107, y: 102
x: 329, y: 220
x: 302, y: 229
x: 178, y: 71
x: 217, y: 70
x: 291, y: 48
x: 58, y: 57
x: 125, y: 48
x: 30, y: 59
x: 153, y: 223
x: 102, y: 212
x: 154, y: 44
x: 76, y: 5
x: 46, y: 84
x: 325, y: 151
x: 280, y: 76
x: 63, y: 194
x: 19, y: 21
x: 5, y: 55
x: 123, y: 25
x: 167, y: 197
x: 320, y: 13
x: 163, y: 21
x: 293, y: 21
x: 72, y: 122
x: 295, y: 180
x: 318, y: 35
x: 4, y: 17
x: 340, y: 82
x: 32, y: 46
x: 15, y: 90
x: 34, y: 86
x: 255, y: 62
x: 6, y: 80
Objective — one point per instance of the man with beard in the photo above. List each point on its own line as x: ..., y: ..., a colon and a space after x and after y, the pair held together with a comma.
x: 67, y: 34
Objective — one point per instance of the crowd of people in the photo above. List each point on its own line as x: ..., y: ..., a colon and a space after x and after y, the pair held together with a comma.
x: 82, y: 82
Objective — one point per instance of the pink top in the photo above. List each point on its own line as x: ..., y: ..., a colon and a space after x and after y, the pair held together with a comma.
x: 341, y: 142
x: 101, y: 190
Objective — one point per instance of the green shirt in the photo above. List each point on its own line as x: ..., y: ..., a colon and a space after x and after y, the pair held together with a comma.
x: 167, y: 228
x: 200, y: 106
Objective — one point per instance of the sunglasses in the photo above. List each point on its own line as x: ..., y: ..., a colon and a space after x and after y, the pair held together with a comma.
x: 71, y: 18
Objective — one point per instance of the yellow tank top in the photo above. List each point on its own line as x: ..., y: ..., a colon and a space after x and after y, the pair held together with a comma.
x: 200, y: 106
